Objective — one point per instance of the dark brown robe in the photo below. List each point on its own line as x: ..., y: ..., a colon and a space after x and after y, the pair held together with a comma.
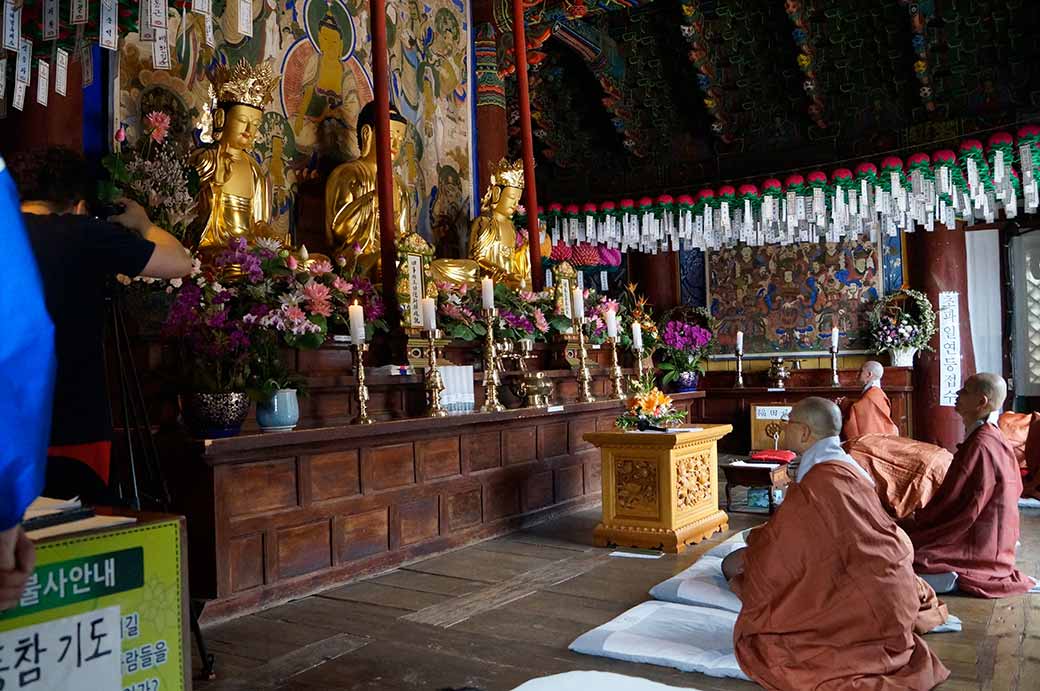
x: 971, y: 525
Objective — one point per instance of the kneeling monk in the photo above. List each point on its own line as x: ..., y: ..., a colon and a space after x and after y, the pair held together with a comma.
x: 829, y: 597
x: 872, y: 413
x: 971, y: 525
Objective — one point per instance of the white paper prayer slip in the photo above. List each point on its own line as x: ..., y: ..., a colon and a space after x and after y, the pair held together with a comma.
x: 61, y: 76
x: 12, y: 25
x: 43, y: 82
x: 109, y: 30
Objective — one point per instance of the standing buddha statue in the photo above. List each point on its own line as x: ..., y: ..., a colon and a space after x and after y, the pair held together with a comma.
x: 351, y: 202
x: 492, y: 240
x: 234, y: 194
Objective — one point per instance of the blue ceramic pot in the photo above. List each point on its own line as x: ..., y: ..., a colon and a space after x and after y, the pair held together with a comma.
x: 215, y: 415
x: 280, y: 413
x: 686, y: 381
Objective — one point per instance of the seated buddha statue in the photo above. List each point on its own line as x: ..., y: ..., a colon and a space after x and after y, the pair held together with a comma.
x: 234, y: 198
x: 492, y: 241
x: 351, y: 203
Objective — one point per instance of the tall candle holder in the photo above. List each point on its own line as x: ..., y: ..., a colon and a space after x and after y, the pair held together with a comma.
x: 359, y: 362
x: 739, y: 383
x: 615, y: 370
x: 640, y: 368
x: 434, y: 382
x: 492, y: 404
x: 834, y: 367
x: 584, y: 378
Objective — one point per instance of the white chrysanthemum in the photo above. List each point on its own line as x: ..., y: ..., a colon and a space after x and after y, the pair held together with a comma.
x: 272, y: 244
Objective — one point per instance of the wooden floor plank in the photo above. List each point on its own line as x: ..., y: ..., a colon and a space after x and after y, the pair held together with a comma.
x: 504, y: 611
x: 386, y: 596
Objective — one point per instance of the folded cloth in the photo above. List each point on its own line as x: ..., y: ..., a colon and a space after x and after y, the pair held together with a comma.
x: 773, y: 456
x: 907, y: 473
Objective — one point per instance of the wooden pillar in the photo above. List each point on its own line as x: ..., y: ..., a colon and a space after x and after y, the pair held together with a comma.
x: 492, y: 127
x: 60, y: 123
x: 938, y: 263
x: 527, y: 140
x: 384, y: 163
x: 657, y: 276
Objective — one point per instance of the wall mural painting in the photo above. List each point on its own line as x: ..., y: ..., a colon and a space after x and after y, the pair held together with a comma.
x: 321, y: 48
x: 787, y: 298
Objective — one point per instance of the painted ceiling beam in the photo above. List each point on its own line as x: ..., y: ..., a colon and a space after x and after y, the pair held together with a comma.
x: 803, y: 38
x: 921, y: 11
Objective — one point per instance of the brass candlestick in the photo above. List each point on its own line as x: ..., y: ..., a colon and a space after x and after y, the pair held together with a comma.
x: 739, y: 384
x: 615, y: 370
x: 434, y: 382
x: 834, y: 367
x: 359, y: 362
x: 640, y: 369
x: 491, y: 378
x: 584, y: 378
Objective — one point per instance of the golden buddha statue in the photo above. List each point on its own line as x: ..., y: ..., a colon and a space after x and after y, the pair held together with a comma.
x: 492, y: 239
x: 234, y: 194
x: 351, y: 201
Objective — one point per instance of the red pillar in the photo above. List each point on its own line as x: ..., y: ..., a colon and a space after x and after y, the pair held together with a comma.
x: 657, y: 276
x: 527, y: 139
x: 384, y: 164
x: 492, y: 128
x: 938, y: 263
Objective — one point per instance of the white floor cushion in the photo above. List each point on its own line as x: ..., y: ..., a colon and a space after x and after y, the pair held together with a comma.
x: 1029, y: 503
x: 703, y: 585
x: 595, y: 681
x: 691, y: 639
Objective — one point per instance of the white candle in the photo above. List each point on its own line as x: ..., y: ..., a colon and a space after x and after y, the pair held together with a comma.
x: 429, y: 314
x: 356, y: 313
x: 578, y: 303
x: 834, y: 338
x: 611, y: 318
x: 740, y: 341
x: 487, y: 292
x: 637, y: 336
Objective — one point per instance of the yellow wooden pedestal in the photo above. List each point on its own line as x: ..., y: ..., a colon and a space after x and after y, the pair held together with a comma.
x: 660, y: 490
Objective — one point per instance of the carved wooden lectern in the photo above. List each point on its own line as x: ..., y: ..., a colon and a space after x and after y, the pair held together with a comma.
x: 660, y: 489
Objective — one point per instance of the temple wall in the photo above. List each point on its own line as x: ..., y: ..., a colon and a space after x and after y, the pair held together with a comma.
x: 323, y: 54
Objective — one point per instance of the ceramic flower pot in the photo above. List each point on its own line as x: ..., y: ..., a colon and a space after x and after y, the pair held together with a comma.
x: 279, y: 413
x: 686, y: 381
x: 902, y: 357
x: 215, y: 415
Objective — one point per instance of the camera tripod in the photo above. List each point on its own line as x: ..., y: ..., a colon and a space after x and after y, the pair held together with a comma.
x: 141, y: 482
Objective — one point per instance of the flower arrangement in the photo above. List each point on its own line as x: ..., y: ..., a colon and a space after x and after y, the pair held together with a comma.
x: 904, y: 319
x: 521, y: 314
x: 154, y: 174
x: 637, y: 309
x: 650, y: 406
x: 686, y: 340
x: 232, y: 317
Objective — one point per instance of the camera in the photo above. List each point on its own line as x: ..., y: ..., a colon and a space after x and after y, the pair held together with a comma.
x: 106, y: 210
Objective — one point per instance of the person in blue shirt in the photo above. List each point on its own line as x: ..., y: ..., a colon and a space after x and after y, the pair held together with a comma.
x: 27, y: 367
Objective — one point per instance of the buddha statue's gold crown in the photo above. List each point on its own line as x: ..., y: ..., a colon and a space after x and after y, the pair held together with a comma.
x: 508, y: 174
x: 245, y: 84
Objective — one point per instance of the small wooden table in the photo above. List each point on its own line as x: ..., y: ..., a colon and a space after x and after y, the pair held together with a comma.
x: 660, y: 490
x: 755, y: 476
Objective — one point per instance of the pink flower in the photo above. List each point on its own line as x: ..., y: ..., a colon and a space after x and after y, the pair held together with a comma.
x: 292, y: 263
x: 294, y: 314
x: 121, y: 134
x: 320, y: 268
x: 540, y: 322
x: 316, y: 292
x: 341, y: 285
x: 322, y: 307
x: 341, y: 262
x: 158, y: 125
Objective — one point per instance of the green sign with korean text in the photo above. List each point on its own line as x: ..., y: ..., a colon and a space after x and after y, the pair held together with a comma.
x: 101, y: 611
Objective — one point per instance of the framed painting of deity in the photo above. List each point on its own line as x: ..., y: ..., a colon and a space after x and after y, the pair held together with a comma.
x: 786, y: 298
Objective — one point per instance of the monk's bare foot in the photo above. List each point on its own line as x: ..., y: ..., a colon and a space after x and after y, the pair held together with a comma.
x: 733, y: 564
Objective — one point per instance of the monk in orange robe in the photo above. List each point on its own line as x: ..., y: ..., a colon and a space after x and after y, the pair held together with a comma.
x: 968, y: 531
x: 829, y: 597
x: 872, y: 413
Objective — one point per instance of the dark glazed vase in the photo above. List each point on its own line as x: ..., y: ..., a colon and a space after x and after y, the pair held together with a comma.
x: 215, y: 415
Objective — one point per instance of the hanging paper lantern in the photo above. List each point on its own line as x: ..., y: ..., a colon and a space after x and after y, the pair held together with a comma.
x: 611, y: 226
x: 560, y: 252
x: 590, y: 222
x: 1029, y: 160
x: 575, y: 230
x: 1001, y: 158
x: 646, y: 221
x: 554, y: 222
x: 976, y: 170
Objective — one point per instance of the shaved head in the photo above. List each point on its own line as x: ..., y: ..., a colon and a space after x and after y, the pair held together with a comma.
x: 990, y: 385
x: 874, y: 368
x: 822, y: 417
